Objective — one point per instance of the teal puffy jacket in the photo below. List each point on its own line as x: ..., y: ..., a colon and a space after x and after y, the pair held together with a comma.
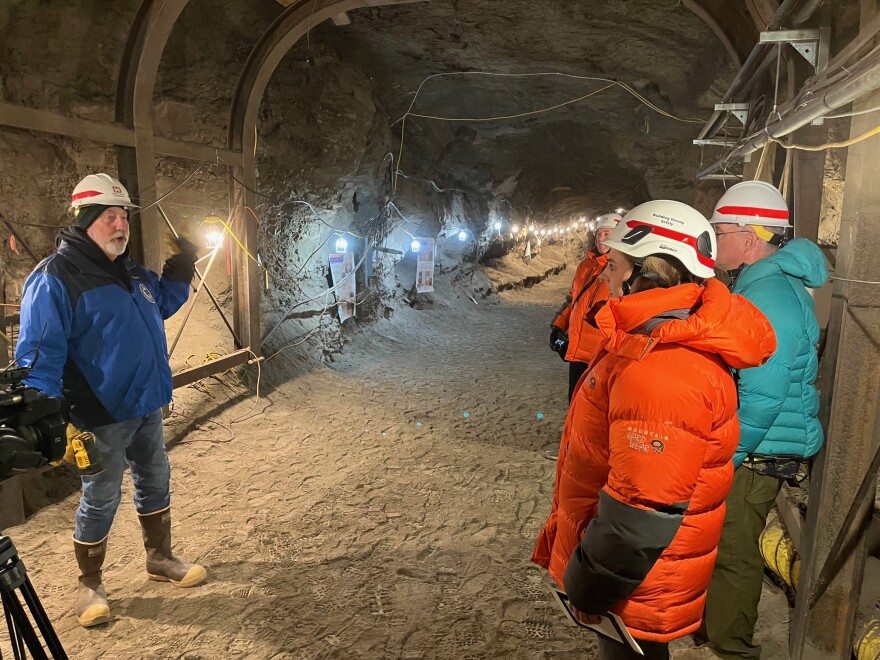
x: 778, y: 402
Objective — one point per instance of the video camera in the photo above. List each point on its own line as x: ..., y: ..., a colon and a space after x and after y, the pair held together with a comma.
x: 33, y: 426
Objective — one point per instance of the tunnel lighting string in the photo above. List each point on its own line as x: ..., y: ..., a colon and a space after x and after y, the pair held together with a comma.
x: 611, y: 83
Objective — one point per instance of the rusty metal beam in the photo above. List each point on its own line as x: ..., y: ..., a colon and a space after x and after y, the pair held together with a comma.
x: 850, y: 393
x: 293, y: 23
x: 191, y: 375
x: 41, y: 121
x: 134, y: 108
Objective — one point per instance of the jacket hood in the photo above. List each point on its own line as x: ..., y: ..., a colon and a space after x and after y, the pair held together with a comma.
x: 800, y: 258
x: 708, y: 318
x: 77, y: 245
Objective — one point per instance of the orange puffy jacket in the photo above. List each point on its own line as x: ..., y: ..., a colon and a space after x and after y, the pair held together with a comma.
x: 584, y: 340
x: 645, y: 460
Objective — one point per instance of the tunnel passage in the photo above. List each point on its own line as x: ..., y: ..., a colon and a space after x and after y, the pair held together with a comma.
x: 477, y: 125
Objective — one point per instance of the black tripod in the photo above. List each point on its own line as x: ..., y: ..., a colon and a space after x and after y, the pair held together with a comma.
x: 13, y: 577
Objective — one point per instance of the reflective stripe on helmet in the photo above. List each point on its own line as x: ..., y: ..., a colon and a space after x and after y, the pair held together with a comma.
x: 770, y: 214
x: 85, y: 193
x: 690, y: 241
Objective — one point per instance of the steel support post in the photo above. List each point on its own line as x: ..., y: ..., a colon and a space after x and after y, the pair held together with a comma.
x: 245, y: 272
x: 134, y: 108
x: 850, y: 388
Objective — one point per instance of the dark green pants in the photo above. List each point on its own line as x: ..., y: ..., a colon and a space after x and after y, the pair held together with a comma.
x: 732, y: 602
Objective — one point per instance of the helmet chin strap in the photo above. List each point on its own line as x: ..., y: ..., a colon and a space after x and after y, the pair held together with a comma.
x: 636, y: 273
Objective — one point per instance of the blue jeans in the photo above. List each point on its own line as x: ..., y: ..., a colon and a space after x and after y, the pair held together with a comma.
x: 140, y: 444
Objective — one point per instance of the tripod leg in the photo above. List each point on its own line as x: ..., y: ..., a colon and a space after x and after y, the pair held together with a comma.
x: 14, y: 636
x: 23, y: 625
x: 43, y: 622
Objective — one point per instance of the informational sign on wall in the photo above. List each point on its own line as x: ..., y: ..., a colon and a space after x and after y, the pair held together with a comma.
x: 342, y: 271
x: 425, y: 266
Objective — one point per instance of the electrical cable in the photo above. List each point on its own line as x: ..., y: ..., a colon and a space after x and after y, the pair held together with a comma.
x: 828, y: 145
x: 332, y: 289
x: 611, y: 82
x: 844, y: 279
x: 258, y: 361
x: 172, y: 191
x: 518, y: 115
x: 214, y: 219
x: 853, y: 114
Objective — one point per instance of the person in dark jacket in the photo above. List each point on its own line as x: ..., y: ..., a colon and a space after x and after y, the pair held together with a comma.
x: 778, y: 402
x: 92, y: 331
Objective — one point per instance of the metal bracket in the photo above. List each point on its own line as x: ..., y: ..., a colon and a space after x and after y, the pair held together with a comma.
x: 738, y: 110
x: 813, y: 45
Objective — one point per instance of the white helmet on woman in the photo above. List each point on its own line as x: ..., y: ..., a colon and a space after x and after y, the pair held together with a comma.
x: 666, y: 227
x: 752, y: 203
x: 100, y: 189
x: 608, y: 221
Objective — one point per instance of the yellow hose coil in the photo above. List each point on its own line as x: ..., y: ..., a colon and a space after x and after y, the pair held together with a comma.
x: 868, y: 647
x: 779, y: 553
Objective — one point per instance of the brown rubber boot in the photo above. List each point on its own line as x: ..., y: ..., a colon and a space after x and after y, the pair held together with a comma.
x: 91, y: 600
x: 162, y: 565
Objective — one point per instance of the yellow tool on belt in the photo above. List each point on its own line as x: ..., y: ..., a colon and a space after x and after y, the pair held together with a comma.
x: 81, y: 451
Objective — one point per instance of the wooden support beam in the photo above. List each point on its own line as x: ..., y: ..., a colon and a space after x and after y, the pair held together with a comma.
x: 41, y: 121
x: 191, y: 375
x: 850, y: 391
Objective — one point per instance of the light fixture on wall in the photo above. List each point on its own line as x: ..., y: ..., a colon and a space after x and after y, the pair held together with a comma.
x: 462, y: 235
x: 213, y: 239
x: 415, y: 246
x: 341, y: 245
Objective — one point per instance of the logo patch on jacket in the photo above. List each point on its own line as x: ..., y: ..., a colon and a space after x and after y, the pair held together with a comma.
x: 146, y: 293
x: 638, y: 441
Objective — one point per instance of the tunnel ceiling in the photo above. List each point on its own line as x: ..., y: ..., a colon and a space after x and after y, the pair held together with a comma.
x: 601, y: 152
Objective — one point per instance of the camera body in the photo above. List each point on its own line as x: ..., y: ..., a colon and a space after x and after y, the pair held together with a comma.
x: 33, y: 426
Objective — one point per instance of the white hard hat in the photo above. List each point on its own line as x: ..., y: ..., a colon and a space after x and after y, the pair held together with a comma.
x: 752, y: 203
x: 100, y: 189
x: 608, y: 221
x: 671, y: 228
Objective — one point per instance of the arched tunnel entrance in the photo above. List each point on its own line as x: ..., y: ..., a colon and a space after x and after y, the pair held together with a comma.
x: 391, y: 200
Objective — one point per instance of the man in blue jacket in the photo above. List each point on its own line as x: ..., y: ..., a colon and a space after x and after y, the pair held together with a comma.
x: 778, y: 403
x: 92, y: 331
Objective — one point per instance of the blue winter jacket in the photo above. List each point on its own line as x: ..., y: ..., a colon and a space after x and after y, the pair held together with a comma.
x: 92, y: 330
x: 778, y: 402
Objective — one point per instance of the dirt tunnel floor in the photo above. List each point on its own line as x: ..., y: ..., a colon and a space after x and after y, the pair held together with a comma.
x: 363, y: 515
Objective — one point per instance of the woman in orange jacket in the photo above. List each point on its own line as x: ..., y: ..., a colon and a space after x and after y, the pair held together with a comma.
x: 645, y: 460
x: 575, y: 340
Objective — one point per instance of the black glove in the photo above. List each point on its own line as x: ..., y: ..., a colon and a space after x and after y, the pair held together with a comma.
x: 559, y: 342
x: 181, y: 267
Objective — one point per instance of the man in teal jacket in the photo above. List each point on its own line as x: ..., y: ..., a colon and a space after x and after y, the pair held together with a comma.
x: 778, y: 403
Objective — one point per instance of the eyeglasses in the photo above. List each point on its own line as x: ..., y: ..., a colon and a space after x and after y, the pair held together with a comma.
x: 719, y: 234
